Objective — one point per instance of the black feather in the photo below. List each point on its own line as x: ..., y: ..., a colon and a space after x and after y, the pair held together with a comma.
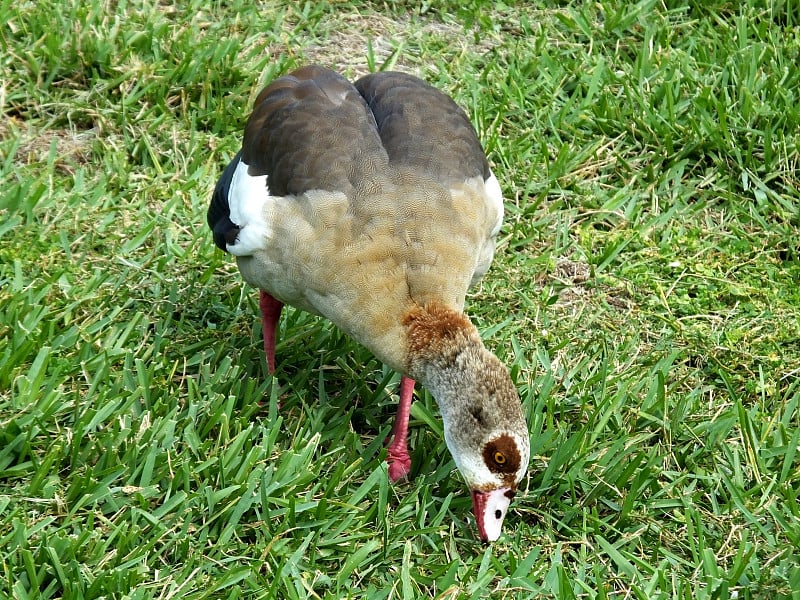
x: 219, y: 212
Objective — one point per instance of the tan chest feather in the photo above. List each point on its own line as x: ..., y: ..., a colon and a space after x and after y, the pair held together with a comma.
x: 362, y: 262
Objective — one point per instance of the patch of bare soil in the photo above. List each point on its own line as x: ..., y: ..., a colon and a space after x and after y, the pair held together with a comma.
x: 67, y: 147
x: 574, y: 275
x: 353, y: 37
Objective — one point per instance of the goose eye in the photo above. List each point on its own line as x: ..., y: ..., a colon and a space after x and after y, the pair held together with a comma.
x: 499, y: 458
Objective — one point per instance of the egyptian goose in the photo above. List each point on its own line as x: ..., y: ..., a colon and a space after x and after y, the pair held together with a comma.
x: 373, y: 205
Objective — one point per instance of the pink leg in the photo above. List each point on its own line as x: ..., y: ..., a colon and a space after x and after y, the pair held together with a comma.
x: 270, y: 313
x: 398, y: 458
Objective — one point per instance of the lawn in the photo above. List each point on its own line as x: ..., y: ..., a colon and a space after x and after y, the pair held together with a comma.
x: 645, y: 293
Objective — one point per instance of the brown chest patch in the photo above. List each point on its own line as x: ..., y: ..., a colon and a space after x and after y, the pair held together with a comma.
x: 433, y: 328
x: 501, y: 455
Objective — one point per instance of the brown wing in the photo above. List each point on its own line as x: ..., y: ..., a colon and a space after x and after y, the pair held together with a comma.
x: 423, y: 128
x: 311, y: 130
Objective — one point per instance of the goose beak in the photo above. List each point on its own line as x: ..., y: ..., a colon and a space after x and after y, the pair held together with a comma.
x: 490, y: 509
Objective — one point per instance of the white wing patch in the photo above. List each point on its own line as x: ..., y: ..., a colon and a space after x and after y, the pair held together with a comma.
x: 495, y: 196
x: 494, y: 205
x: 247, y: 198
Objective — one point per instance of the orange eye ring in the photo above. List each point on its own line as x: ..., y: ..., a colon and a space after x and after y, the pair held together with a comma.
x: 499, y: 458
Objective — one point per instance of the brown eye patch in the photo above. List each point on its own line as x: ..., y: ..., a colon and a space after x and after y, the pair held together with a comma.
x: 501, y: 455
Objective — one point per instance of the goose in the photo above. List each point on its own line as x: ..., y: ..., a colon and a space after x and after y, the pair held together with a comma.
x: 373, y: 205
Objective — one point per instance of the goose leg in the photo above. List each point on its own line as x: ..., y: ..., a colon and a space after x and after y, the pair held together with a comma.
x: 398, y: 458
x: 270, y: 313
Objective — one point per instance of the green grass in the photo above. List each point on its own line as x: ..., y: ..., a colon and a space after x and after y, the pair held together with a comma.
x: 646, y: 295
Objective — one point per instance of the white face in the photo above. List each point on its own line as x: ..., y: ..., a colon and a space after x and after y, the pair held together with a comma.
x: 492, y: 471
x: 490, y: 509
x: 479, y: 469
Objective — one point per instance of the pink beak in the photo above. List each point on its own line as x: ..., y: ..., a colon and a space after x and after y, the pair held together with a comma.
x: 490, y: 509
